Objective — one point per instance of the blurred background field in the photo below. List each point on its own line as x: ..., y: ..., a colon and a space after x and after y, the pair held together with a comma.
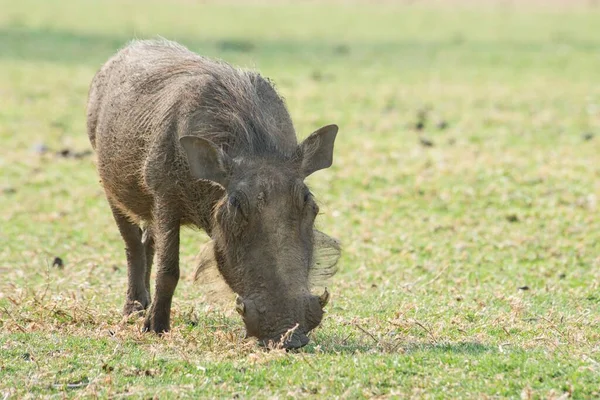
x: 464, y: 190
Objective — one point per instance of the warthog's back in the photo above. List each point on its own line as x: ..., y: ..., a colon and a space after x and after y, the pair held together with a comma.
x: 153, y: 92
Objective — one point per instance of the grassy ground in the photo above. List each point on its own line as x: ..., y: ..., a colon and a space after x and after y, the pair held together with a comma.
x: 471, y: 264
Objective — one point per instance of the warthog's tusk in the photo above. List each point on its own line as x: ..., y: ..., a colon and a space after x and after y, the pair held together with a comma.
x: 324, y: 298
x: 239, y: 306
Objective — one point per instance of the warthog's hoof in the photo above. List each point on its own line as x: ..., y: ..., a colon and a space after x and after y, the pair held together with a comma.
x: 156, y: 323
x: 134, y: 307
x: 156, y: 327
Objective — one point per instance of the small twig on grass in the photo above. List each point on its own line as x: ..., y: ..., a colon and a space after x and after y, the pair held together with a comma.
x: 367, y: 333
x: 77, y: 385
x: 436, y: 277
x: 411, y: 284
x: 181, y: 353
x: 427, y: 330
x: 310, y: 364
x: 344, y: 340
x: 34, y: 359
x: 552, y: 325
x: 13, y: 320
x: 385, y: 345
x: 47, y: 286
x: 15, y: 302
x: 396, y: 347
x: 123, y: 395
x: 19, y: 327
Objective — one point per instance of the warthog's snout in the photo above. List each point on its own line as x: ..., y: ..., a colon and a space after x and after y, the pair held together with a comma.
x: 289, y: 342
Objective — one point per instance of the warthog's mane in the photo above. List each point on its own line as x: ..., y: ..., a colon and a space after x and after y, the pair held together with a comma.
x: 238, y: 109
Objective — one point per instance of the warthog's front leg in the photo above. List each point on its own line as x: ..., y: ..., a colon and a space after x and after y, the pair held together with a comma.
x: 165, y: 228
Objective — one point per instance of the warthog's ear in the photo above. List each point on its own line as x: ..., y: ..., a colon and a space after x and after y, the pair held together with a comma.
x: 326, y: 253
x: 317, y: 150
x: 206, y: 160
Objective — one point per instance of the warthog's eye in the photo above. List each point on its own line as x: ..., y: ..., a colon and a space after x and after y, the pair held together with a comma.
x: 309, y: 203
x: 305, y: 199
x: 238, y: 203
x: 234, y: 202
x: 307, y: 196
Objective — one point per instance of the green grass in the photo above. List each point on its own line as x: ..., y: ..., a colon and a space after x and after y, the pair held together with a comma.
x: 437, y: 240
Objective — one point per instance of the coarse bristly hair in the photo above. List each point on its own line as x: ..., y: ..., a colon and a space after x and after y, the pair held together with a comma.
x: 154, y: 91
x: 240, y: 108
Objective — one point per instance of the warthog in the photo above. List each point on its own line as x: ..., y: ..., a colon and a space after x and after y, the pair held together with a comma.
x: 185, y: 140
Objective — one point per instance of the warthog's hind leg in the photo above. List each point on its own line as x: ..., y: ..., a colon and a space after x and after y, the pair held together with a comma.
x: 138, y: 296
x: 148, y: 242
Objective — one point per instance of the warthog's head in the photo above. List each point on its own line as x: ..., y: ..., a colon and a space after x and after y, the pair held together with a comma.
x: 264, y: 242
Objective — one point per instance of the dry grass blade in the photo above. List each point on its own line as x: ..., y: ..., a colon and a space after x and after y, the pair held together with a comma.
x: 366, y: 332
x: 283, y: 340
